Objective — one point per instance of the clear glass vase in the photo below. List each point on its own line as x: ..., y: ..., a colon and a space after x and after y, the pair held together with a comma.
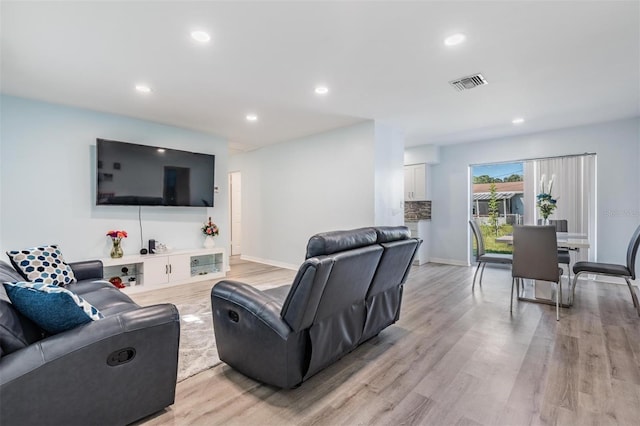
x: 116, y: 248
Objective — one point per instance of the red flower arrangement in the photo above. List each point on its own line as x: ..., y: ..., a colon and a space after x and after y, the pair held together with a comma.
x: 117, y: 235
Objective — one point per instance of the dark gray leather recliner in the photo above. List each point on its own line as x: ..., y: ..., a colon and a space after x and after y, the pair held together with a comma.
x: 112, y: 371
x: 347, y: 291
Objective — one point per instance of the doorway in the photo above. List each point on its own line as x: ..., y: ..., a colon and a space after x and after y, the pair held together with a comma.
x: 235, y: 193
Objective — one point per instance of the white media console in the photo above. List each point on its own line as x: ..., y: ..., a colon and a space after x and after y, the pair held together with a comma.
x: 155, y: 271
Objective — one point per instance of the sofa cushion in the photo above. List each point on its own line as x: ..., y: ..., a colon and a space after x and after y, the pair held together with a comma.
x: 387, y: 234
x: 12, y: 335
x: 53, y: 308
x: 328, y: 243
x: 7, y: 274
x: 16, y: 331
x: 105, y: 297
x: 43, y: 264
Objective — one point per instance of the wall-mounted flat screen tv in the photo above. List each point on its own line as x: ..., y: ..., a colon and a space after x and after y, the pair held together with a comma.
x: 139, y: 175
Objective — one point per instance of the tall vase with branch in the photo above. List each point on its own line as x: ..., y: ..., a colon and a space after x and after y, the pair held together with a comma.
x: 545, y: 201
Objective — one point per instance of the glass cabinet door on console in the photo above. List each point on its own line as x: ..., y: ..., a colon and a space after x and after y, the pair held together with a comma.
x: 150, y: 272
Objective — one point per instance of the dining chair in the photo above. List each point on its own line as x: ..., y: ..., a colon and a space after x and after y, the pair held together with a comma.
x: 482, y: 257
x: 564, y: 255
x: 627, y: 271
x: 535, y: 256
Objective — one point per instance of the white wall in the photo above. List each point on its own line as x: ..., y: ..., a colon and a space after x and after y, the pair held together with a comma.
x: 428, y: 154
x: 293, y: 190
x: 617, y: 145
x: 389, y: 175
x: 47, y: 181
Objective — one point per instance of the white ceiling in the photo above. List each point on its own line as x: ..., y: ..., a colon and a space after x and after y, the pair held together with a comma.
x: 555, y: 63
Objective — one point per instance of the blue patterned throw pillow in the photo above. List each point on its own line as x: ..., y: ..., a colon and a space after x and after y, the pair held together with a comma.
x: 43, y: 264
x: 53, y: 308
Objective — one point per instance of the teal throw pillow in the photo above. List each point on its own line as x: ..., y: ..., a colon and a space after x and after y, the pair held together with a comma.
x: 53, y: 308
x: 43, y: 264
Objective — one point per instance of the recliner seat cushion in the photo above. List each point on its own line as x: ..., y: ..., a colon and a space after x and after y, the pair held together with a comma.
x: 104, y: 297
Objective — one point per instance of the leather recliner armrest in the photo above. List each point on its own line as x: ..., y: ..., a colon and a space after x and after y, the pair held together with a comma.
x: 121, y: 358
x: 87, y: 270
x: 101, y: 367
x: 252, y: 337
x: 81, y: 338
x: 252, y: 301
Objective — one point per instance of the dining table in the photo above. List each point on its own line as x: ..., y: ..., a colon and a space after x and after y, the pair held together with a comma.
x: 567, y: 240
x: 542, y: 289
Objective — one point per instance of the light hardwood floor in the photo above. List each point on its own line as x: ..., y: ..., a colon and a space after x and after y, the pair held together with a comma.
x: 454, y: 358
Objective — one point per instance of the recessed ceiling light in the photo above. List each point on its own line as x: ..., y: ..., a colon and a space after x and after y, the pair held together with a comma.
x: 252, y: 117
x: 454, y: 39
x: 143, y: 88
x: 200, y: 36
x: 518, y: 120
x: 161, y: 149
x: 321, y: 90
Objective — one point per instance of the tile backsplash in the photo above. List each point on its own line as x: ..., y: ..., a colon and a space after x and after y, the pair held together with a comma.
x: 417, y: 210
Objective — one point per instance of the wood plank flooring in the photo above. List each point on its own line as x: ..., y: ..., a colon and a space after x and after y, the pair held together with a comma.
x: 454, y: 358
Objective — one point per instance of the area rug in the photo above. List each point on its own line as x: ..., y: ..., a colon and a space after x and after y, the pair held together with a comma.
x: 198, y: 350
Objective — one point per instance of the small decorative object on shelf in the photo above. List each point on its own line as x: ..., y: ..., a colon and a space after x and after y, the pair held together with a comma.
x: 545, y: 202
x: 116, y: 238
x: 117, y: 282
x: 132, y: 281
x: 210, y: 229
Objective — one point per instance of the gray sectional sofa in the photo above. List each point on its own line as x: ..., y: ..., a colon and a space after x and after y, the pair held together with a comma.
x: 347, y: 291
x: 110, y: 372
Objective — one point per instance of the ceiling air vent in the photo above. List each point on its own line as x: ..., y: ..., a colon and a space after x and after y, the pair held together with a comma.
x: 469, y: 82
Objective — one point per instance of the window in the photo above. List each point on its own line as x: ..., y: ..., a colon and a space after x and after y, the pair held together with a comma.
x: 516, y: 186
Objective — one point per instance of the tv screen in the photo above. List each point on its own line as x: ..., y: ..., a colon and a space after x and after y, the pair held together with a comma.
x: 140, y: 175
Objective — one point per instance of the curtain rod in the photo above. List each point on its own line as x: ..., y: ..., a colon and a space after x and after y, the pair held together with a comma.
x: 532, y: 159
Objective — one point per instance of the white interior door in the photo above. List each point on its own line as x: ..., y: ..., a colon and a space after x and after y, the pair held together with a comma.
x: 235, y: 181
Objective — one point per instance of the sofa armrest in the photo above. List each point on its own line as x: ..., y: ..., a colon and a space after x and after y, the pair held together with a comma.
x: 252, y: 301
x: 88, y: 365
x: 87, y: 270
x: 253, y: 338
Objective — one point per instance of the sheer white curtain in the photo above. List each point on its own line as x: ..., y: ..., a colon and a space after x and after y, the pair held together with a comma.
x: 529, y: 192
x: 574, y: 188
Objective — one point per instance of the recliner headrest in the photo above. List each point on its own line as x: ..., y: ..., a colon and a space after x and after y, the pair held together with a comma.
x: 386, y: 234
x: 336, y: 241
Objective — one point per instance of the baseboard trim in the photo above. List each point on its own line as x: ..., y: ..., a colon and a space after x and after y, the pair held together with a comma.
x: 270, y: 262
x: 455, y: 262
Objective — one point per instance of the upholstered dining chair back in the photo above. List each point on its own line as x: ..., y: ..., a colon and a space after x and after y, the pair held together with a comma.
x: 479, y: 239
x: 632, y: 251
x: 535, y: 253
